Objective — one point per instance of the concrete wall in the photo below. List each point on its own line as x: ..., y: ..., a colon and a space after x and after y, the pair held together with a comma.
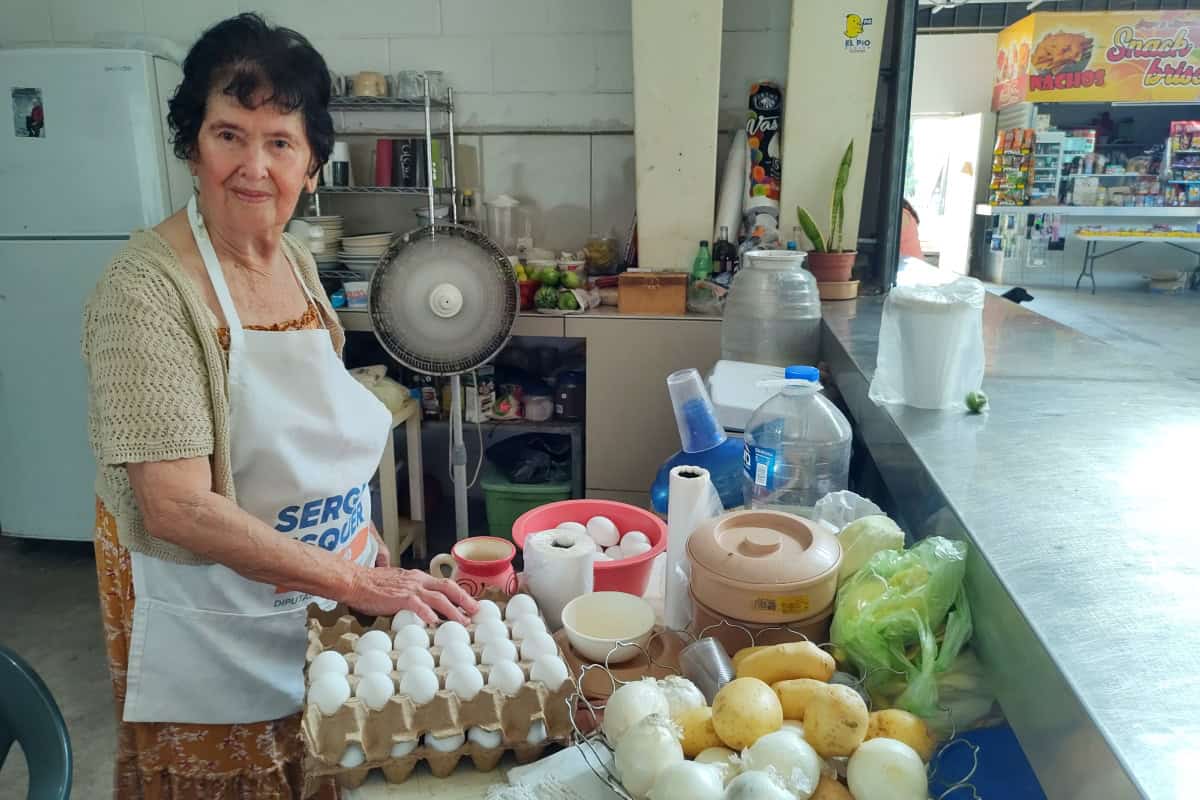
x: 545, y: 87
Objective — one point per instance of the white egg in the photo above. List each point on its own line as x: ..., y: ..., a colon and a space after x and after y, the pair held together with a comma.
x: 328, y: 661
x: 526, y: 626
x: 550, y: 670
x: 603, y: 557
x: 487, y: 610
x: 414, y: 658
x: 573, y: 527
x: 373, y: 661
x: 506, y: 677
x: 406, y: 617
x: 456, y: 653
x: 538, y: 644
x: 635, y: 537
x: 486, y: 739
x: 537, y: 732
x: 520, y: 605
x: 329, y: 692
x: 412, y: 636
x: 373, y: 640
x: 449, y: 632
x: 421, y: 684
x: 490, y: 630
x: 375, y: 689
x: 635, y: 549
x: 465, y: 681
x: 495, y: 652
x: 445, y: 744
x: 614, y: 552
x: 353, y: 757
x: 603, y: 531
x: 403, y: 747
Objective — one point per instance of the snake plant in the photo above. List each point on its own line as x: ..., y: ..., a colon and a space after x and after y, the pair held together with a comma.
x: 837, y: 211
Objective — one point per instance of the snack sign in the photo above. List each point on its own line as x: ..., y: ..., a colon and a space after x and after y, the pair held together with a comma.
x: 1130, y: 56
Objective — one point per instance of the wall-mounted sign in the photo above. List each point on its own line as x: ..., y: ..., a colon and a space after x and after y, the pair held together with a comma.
x: 1129, y: 56
x: 855, y: 33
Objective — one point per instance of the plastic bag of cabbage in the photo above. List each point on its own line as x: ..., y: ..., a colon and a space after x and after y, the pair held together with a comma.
x: 903, y: 618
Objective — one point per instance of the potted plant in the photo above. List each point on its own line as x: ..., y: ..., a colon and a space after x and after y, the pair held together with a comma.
x: 827, y: 261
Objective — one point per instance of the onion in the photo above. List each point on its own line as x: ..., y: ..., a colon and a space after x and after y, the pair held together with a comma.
x: 886, y: 769
x: 757, y: 786
x: 724, y: 759
x: 681, y: 695
x: 690, y: 780
x: 797, y: 764
x: 645, y: 750
x: 629, y: 704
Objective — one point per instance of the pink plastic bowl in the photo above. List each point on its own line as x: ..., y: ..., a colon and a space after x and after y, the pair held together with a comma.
x: 628, y: 575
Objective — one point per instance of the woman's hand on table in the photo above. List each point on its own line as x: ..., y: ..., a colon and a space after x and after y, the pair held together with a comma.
x: 386, y: 590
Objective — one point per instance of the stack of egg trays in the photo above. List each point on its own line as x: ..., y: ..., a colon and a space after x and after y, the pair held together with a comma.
x: 402, y: 723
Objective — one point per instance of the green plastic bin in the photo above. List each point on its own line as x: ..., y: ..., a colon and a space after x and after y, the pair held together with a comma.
x: 506, y: 500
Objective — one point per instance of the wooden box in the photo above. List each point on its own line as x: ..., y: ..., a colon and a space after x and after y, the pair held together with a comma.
x: 652, y: 293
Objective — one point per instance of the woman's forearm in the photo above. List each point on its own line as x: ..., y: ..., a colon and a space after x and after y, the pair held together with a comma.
x: 213, y: 527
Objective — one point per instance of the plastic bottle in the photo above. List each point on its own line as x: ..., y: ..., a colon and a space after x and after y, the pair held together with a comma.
x: 797, y: 447
x: 702, y: 265
x: 773, y: 311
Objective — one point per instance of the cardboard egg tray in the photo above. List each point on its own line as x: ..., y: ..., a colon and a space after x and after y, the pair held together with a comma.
x: 402, y: 721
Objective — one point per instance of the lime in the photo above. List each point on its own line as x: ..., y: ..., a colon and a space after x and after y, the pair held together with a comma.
x: 571, y: 280
x: 976, y: 402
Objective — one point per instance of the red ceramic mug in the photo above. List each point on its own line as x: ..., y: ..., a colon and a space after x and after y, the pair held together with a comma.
x: 477, y: 563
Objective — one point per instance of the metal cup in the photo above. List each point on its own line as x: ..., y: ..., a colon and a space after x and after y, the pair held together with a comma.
x: 705, y: 663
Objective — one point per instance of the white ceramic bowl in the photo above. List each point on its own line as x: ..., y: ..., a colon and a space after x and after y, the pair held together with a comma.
x: 596, y: 622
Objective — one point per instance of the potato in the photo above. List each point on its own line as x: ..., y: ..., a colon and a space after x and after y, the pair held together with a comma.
x: 835, y: 721
x: 744, y: 710
x: 795, y: 695
x: 740, y: 655
x: 785, y: 662
x: 698, y: 731
x: 830, y: 789
x: 895, y: 723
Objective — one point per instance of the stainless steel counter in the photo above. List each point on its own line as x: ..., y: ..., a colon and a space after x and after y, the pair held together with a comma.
x: 1078, y: 492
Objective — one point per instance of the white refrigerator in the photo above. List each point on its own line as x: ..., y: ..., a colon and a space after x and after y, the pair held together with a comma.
x: 85, y: 158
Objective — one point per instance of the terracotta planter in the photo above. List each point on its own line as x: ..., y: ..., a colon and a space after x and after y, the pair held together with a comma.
x: 831, y: 266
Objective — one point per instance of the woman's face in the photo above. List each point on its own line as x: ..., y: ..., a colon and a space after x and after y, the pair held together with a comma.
x: 251, y: 164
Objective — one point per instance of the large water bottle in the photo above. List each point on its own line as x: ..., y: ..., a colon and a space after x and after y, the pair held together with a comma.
x: 773, y: 311
x: 797, y: 447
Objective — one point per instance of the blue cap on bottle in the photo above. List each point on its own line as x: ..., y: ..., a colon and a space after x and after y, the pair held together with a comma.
x: 799, y: 373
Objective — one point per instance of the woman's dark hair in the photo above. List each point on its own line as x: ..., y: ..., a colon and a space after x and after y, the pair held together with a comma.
x: 907, y: 206
x: 248, y: 59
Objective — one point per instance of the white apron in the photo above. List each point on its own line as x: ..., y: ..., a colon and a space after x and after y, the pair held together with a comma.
x: 209, y: 646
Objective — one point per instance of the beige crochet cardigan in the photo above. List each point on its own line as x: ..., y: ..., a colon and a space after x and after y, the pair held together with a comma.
x: 157, y: 376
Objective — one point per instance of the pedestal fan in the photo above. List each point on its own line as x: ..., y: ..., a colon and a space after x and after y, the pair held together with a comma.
x: 443, y: 301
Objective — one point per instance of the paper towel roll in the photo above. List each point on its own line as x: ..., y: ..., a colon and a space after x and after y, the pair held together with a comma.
x: 558, y: 568
x: 729, y: 199
x: 692, y: 500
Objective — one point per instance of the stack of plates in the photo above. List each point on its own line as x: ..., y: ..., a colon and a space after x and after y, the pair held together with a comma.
x: 331, y: 225
x: 363, y: 252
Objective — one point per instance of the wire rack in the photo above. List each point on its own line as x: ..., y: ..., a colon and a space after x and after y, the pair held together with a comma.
x: 597, y: 751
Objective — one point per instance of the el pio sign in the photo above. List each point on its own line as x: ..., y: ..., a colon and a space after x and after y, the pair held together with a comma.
x: 856, y: 42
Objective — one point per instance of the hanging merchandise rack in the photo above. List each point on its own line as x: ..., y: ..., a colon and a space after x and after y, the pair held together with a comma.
x: 598, y: 752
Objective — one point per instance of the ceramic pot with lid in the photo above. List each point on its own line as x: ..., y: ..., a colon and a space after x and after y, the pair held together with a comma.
x: 764, y: 566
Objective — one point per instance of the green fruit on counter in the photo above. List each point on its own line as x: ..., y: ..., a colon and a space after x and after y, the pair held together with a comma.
x: 567, y: 301
x: 546, y: 297
x: 549, y: 277
x: 572, y: 280
x: 976, y: 402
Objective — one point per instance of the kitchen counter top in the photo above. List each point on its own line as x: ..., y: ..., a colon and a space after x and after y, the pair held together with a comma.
x: 359, y: 319
x: 1075, y: 491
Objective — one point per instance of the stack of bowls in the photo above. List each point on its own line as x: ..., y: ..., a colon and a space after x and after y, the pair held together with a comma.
x: 361, y: 253
x: 331, y: 226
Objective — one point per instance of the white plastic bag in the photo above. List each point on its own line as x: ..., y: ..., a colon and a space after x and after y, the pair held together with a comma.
x: 839, y: 509
x: 930, y: 345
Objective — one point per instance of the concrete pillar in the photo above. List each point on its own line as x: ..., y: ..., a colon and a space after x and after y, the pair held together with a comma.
x: 833, y: 71
x: 676, y: 83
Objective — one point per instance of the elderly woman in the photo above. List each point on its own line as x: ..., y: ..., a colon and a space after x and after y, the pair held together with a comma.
x: 234, y: 450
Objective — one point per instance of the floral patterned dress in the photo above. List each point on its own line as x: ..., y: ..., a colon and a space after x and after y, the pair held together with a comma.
x: 180, y: 761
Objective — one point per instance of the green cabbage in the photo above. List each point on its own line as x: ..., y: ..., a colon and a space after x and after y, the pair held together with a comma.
x: 864, y: 538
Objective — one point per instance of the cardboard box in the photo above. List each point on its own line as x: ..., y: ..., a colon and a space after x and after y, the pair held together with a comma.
x: 652, y: 293
x: 402, y: 721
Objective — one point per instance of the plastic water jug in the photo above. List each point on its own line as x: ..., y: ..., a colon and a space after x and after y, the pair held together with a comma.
x: 797, y: 447
x: 773, y: 311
